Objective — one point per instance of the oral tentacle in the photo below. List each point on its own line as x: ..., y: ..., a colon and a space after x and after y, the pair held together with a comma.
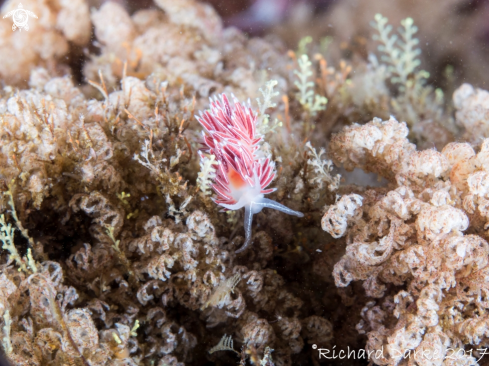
x: 233, y: 207
x: 267, y: 203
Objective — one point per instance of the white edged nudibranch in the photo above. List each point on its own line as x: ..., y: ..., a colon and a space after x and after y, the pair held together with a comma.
x: 243, y: 171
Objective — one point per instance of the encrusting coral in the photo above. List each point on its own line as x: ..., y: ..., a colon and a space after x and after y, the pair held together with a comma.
x: 115, y: 251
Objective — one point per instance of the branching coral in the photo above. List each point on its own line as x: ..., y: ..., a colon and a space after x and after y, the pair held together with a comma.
x: 207, y: 173
x: 321, y: 172
x: 400, y: 54
x: 472, y: 112
x: 412, y: 235
x: 111, y: 255
x: 393, y: 84
x: 264, y: 125
x: 47, y: 43
x: 312, y: 103
x: 141, y: 249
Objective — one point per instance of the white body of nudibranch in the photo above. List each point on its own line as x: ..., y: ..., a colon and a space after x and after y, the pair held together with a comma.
x: 242, y: 174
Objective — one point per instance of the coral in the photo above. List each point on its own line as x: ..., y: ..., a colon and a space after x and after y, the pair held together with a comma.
x: 60, y: 23
x: 416, y: 103
x: 264, y: 125
x: 346, y: 210
x: 411, y: 235
x: 386, y: 82
x: 207, y: 173
x: 119, y: 249
x: 460, y: 45
x: 192, y: 49
x: 401, y: 53
x: 321, y: 172
x: 225, y: 344
x: 311, y: 102
x: 140, y: 249
x: 472, y: 106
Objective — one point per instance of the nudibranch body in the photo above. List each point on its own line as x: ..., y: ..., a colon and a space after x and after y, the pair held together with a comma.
x: 243, y: 170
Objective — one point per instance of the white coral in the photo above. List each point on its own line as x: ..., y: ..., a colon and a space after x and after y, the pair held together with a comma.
x: 335, y: 220
x: 322, y: 169
x: 472, y: 111
x: 412, y: 235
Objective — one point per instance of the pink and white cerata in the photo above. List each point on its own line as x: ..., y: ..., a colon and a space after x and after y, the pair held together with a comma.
x: 243, y: 171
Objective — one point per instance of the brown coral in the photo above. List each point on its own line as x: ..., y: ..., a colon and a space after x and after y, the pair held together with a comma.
x: 413, y: 236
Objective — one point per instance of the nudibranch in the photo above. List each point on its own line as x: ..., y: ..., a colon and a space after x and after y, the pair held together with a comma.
x: 243, y: 171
